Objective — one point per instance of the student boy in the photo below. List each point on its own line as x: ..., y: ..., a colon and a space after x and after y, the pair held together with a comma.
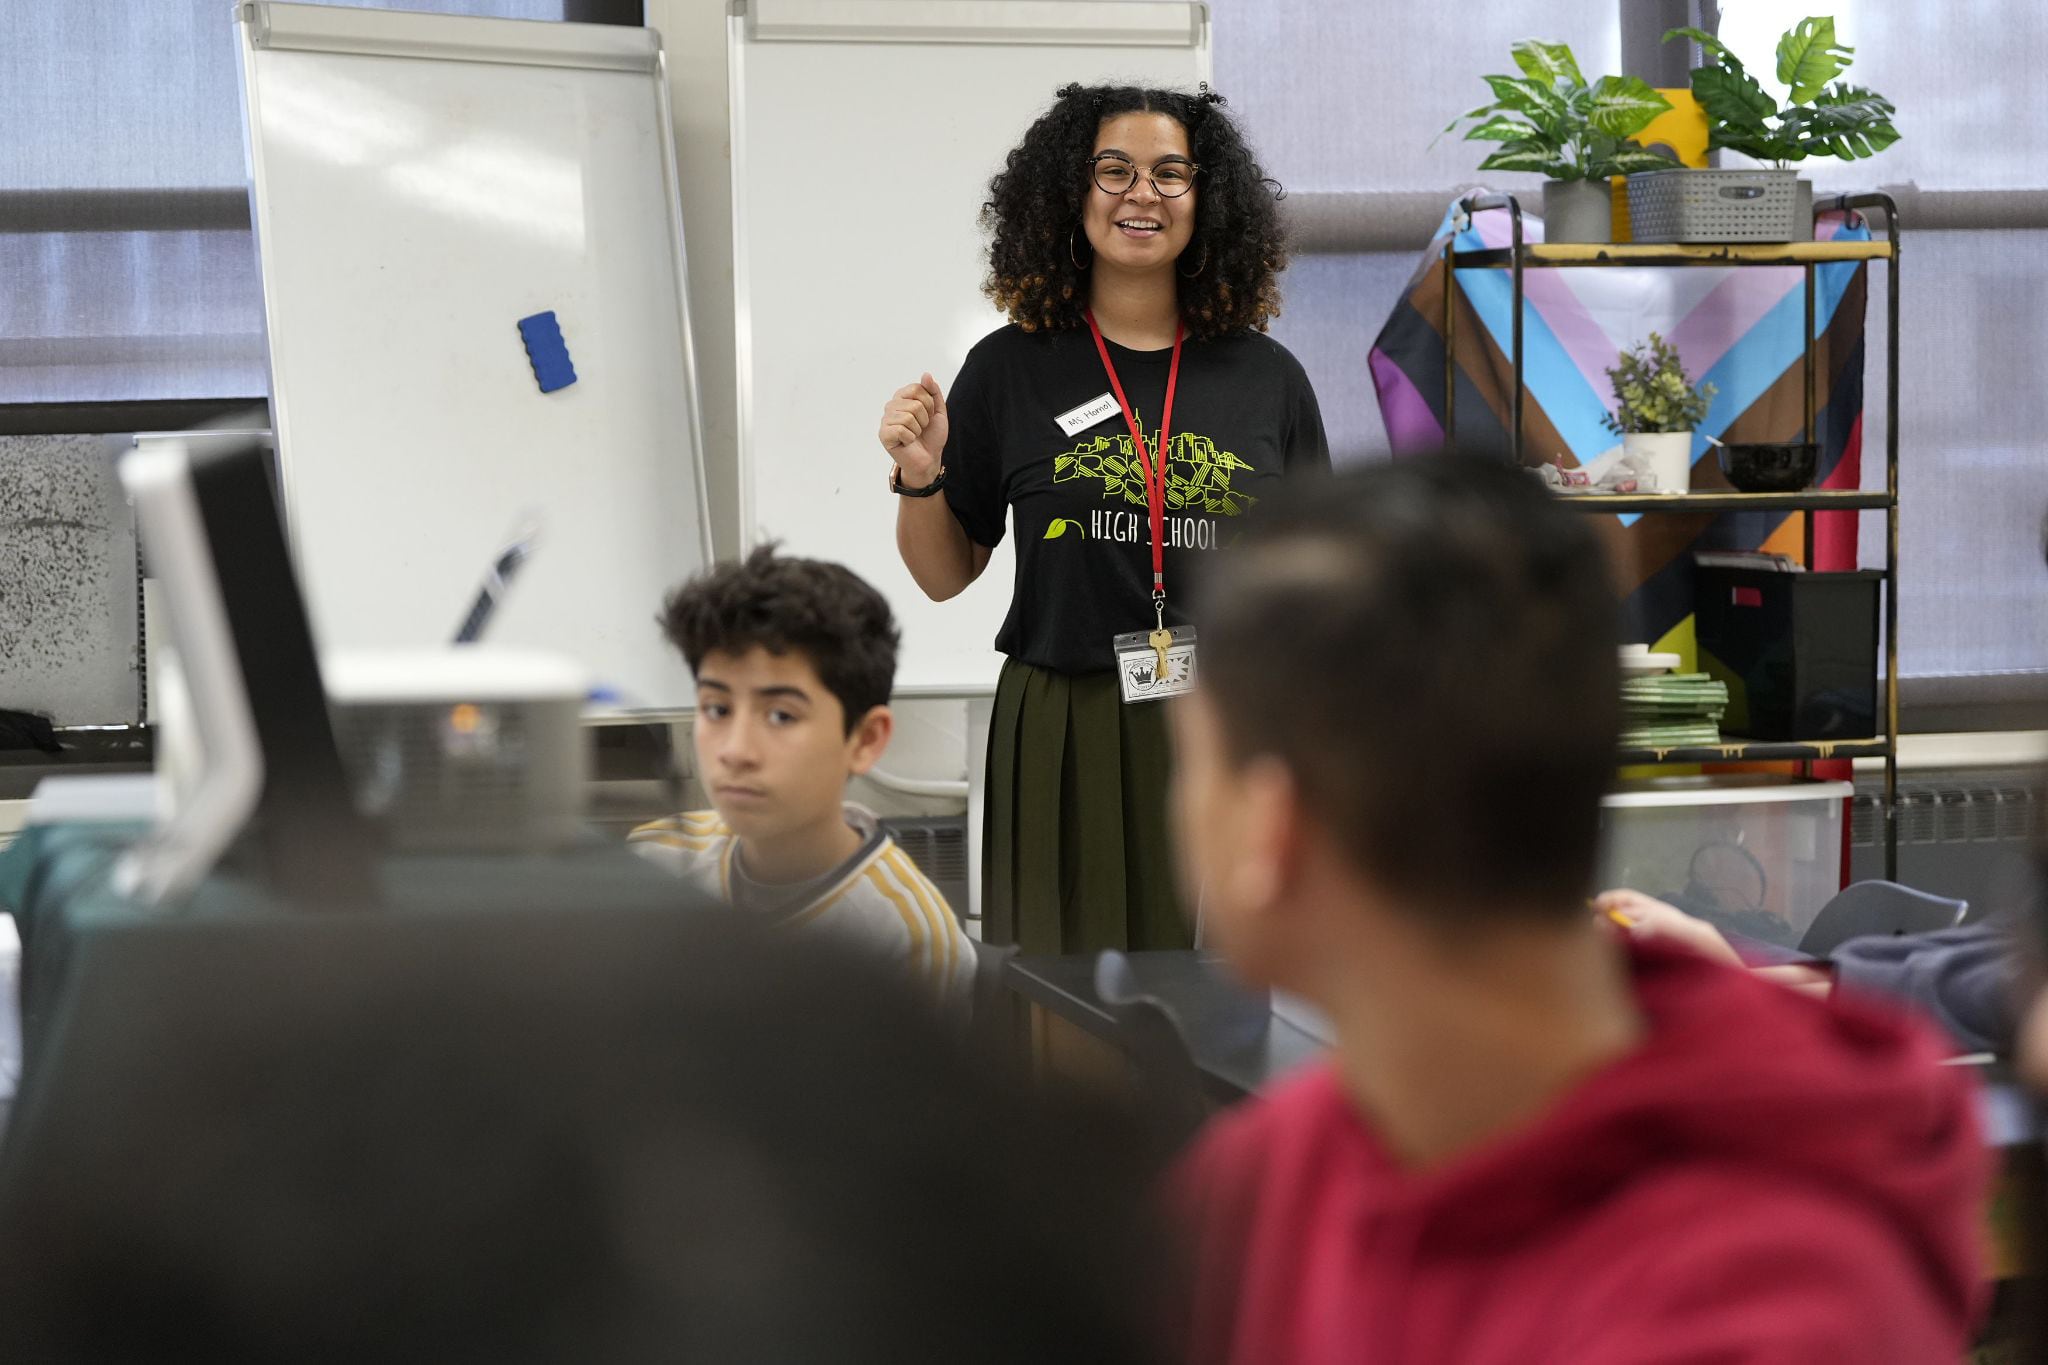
x: 1535, y: 1141
x: 794, y: 659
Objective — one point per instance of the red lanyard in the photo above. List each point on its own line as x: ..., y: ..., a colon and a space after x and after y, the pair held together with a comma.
x: 1155, y: 469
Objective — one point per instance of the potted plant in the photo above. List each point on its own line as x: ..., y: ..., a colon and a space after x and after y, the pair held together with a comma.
x: 1816, y: 118
x: 1549, y: 120
x: 1656, y: 411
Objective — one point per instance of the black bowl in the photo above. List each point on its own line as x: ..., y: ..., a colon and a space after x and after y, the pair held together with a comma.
x: 1769, y: 466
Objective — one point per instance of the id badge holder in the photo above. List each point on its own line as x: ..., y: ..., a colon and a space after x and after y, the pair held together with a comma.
x: 1151, y: 668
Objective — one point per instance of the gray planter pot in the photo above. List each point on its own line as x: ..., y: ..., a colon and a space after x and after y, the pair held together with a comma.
x: 1577, y: 211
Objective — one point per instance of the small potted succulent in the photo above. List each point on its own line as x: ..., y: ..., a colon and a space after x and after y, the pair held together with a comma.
x: 1551, y: 121
x: 1816, y: 118
x: 1656, y: 411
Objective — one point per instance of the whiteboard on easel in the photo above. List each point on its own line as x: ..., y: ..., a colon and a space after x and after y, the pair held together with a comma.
x: 864, y: 134
x: 420, y: 184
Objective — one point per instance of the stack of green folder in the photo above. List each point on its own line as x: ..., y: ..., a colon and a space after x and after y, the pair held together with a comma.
x: 1671, y: 710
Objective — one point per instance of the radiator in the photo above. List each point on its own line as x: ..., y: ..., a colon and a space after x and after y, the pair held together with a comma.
x: 938, y: 845
x: 1962, y: 832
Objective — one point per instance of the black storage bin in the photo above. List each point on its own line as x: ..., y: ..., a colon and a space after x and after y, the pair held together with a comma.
x: 1797, y: 650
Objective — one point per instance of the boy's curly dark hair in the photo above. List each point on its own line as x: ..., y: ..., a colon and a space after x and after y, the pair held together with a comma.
x: 1034, y: 207
x: 824, y: 611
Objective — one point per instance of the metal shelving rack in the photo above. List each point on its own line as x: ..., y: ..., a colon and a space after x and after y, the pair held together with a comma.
x: 1521, y: 255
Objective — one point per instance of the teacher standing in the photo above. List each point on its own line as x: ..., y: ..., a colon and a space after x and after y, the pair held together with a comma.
x: 1135, y: 246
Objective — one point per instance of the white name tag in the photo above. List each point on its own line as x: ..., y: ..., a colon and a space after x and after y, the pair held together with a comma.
x: 1087, y: 415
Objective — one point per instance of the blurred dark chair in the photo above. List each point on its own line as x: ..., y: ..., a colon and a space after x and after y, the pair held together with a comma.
x: 1879, y: 909
x: 994, y: 1022
x: 991, y: 960
x: 1169, y: 1085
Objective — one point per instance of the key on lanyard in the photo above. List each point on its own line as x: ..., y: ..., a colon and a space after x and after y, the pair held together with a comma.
x: 1160, y: 639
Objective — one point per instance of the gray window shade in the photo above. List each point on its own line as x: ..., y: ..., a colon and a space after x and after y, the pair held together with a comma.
x: 1350, y: 96
x: 1973, y: 479
x: 105, y: 316
x: 126, y: 269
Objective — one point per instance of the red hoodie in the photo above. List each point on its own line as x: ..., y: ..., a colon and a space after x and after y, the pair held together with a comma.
x: 1765, y: 1179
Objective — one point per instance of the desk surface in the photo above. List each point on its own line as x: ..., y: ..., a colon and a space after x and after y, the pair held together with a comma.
x: 1238, y: 1044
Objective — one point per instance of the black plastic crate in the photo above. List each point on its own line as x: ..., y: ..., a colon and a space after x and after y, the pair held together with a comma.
x: 1797, y: 650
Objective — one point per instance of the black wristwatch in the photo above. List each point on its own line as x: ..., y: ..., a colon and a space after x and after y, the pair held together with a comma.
x: 896, y: 483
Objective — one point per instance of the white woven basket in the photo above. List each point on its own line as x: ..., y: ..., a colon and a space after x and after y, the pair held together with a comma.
x: 1716, y: 206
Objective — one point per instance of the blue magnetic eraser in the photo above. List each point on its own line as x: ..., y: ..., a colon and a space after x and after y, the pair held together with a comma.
x: 548, y: 352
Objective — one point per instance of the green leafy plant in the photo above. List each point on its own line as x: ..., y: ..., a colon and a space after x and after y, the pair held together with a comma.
x: 1653, y: 393
x: 1817, y: 119
x: 1549, y: 120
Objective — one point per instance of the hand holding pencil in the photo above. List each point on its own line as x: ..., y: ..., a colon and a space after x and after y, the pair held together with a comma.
x: 1645, y: 917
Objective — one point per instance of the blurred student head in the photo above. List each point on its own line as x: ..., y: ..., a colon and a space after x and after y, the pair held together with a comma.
x: 1409, y: 697
x: 599, y: 1138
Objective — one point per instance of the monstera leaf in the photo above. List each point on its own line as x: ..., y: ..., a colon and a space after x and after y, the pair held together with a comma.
x: 1850, y: 121
x: 1816, y: 119
x: 1739, y: 113
x: 1809, y: 57
x: 1709, y: 44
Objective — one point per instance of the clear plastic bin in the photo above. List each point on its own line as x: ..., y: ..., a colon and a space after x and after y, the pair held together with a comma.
x: 1755, y: 854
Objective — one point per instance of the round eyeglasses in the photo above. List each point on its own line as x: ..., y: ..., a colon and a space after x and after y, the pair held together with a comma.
x: 1170, y: 178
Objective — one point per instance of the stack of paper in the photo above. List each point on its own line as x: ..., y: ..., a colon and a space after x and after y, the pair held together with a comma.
x: 1747, y: 559
x: 1670, y: 710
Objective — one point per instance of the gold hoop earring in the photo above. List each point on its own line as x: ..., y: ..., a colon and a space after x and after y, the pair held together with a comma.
x: 1074, y: 255
x: 1199, y: 268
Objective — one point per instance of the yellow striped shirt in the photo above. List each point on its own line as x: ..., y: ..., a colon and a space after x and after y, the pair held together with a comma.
x: 880, y: 898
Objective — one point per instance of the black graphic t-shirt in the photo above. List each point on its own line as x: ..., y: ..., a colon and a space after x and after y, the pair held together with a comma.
x: 1244, y: 417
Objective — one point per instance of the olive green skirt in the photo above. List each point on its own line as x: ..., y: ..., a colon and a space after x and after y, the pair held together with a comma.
x: 1076, y: 856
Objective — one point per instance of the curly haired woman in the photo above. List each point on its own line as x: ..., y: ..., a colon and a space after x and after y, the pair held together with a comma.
x: 1135, y: 245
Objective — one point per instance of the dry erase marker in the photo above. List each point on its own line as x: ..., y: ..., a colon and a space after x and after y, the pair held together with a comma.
x: 497, y: 580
